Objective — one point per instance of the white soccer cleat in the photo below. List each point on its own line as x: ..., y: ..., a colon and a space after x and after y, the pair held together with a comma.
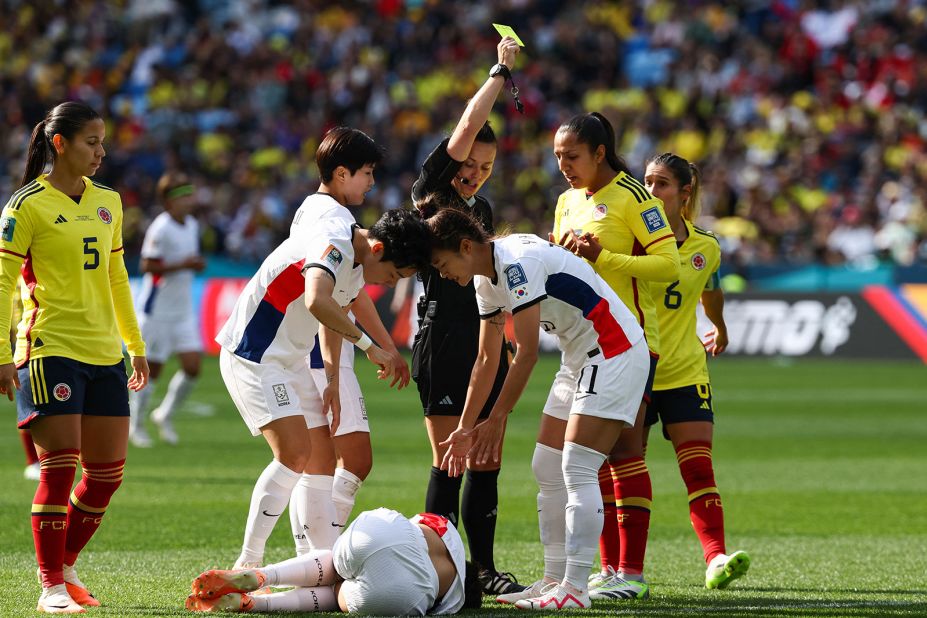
x: 165, y: 427
x: 557, y: 598
x: 56, y: 600
x: 536, y: 589
x: 597, y: 579
x: 617, y: 588
x: 140, y: 438
x: 724, y: 569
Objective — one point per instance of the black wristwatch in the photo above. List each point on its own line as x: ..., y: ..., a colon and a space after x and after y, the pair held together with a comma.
x: 500, y: 69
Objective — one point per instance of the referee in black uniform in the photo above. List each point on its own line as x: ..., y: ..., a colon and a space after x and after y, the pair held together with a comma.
x: 446, y: 345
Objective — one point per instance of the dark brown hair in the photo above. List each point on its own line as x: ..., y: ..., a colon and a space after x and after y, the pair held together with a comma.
x: 594, y: 130
x: 348, y: 147
x: 66, y: 119
x: 685, y: 173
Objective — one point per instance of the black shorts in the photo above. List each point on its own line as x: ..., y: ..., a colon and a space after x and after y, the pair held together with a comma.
x: 57, y: 385
x: 680, y: 405
x: 442, y: 358
x: 648, y: 387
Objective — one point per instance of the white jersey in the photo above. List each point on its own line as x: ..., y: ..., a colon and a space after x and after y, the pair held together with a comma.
x: 577, y: 306
x: 169, y: 297
x: 270, y: 322
x: 315, y: 208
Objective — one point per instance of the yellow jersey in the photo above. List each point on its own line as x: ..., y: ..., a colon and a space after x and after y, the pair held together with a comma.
x: 75, y: 292
x: 638, y: 246
x: 683, y: 362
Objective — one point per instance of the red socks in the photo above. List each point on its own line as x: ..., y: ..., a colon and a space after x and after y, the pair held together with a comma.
x: 608, y: 541
x: 31, y: 456
x: 88, y: 503
x: 50, y: 512
x: 705, y: 508
x: 633, y: 496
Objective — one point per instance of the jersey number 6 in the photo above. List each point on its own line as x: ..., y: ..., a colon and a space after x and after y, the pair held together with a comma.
x: 94, y: 255
x: 673, y: 299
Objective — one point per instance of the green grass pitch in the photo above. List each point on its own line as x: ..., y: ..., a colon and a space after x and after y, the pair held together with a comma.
x: 822, y: 466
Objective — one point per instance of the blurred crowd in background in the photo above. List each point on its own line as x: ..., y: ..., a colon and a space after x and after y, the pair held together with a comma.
x: 806, y: 117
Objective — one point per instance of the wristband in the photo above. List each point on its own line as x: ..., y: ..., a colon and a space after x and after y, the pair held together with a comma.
x: 364, y: 342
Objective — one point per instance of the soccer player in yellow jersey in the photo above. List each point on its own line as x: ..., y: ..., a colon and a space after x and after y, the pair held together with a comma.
x: 62, y: 232
x: 681, y: 392
x: 609, y: 218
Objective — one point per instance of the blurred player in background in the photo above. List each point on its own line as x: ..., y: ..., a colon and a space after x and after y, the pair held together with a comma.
x: 681, y: 391
x: 594, y: 398
x: 63, y: 233
x: 383, y: 565
x: 611, y: 220
x: 340, y: 459
x: 447, y: 341
x: 305, y: 282
x: 170, y: 259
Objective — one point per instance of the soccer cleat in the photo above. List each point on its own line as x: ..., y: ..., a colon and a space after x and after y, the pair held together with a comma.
x: 597, y: 579
x: 165, y: 427
x: 216, y: 583
x: 556, y: 598
x: 32, y: 472
x: 140, y: 438
x: 77, y: 589
x: 56, y: 600
x: 619, y: 588
x: 723, y: 569
x: 496, y: 583
x: 234, y: 602
x: 534, y: 590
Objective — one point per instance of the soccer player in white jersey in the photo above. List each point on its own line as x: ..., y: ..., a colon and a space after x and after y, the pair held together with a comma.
x: 305, y: 282
x: 383, y: 564
x: 170, y: 259
x: 339, y: 460
x: 596, y: 394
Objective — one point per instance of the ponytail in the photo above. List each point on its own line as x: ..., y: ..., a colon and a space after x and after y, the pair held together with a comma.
x: 37, y: 155
x: 685, y: 173
x: 66, y: 119
x: 594, y: 130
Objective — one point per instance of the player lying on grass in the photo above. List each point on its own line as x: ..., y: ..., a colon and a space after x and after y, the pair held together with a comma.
x: 595, y: 396
x: 383, y: 564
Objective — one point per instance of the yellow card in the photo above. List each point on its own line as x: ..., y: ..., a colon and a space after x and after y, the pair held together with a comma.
x: 505, y: 31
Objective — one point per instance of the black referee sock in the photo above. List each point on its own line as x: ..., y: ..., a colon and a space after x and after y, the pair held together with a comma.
x: 443, y: 495
x: 478, y: 509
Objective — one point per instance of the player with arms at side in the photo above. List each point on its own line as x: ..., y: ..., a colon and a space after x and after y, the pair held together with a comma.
x: 383, y: 565
x: 595, y: 396
x: 610, y: 219
x: 681, y: 390
x: 63, y: 232
x: 452, y: 176
x: 340, y: 459
x: 170, y: 257
x: 305, y: 282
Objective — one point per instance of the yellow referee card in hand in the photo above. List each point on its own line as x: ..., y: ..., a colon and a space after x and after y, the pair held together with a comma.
x: 505, y: 31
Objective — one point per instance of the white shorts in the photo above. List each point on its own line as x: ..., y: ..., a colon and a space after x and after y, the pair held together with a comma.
x: 353, y: 408
x: 164, y: 337
x: 384, y: 560
x: 265, y: 393
x: 604, y: 387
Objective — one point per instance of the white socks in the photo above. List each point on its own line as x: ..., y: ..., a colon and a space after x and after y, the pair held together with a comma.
x: 177, y: 390
x: 317, y: 599
x: 268, y: 501
x: 312, y: 569
x: 344, y: 490
x: 138, y: 406
x: 584, y: 511
x: 311, y: 500
x: 552, y: 500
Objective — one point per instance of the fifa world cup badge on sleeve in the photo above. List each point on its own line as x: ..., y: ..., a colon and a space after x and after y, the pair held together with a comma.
x: 7, y: 225
x: 333, y: 256
x: 517, y: 280
x: 653, y: 219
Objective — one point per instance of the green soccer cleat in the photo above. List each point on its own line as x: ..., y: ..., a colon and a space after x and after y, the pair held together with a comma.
x: 723, y: 569
x: 216, y: 583
x: 618, y: 588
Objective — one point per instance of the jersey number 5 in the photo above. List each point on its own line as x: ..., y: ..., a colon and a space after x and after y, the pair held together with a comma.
x: 673, y: 299
x: 93, y: 255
